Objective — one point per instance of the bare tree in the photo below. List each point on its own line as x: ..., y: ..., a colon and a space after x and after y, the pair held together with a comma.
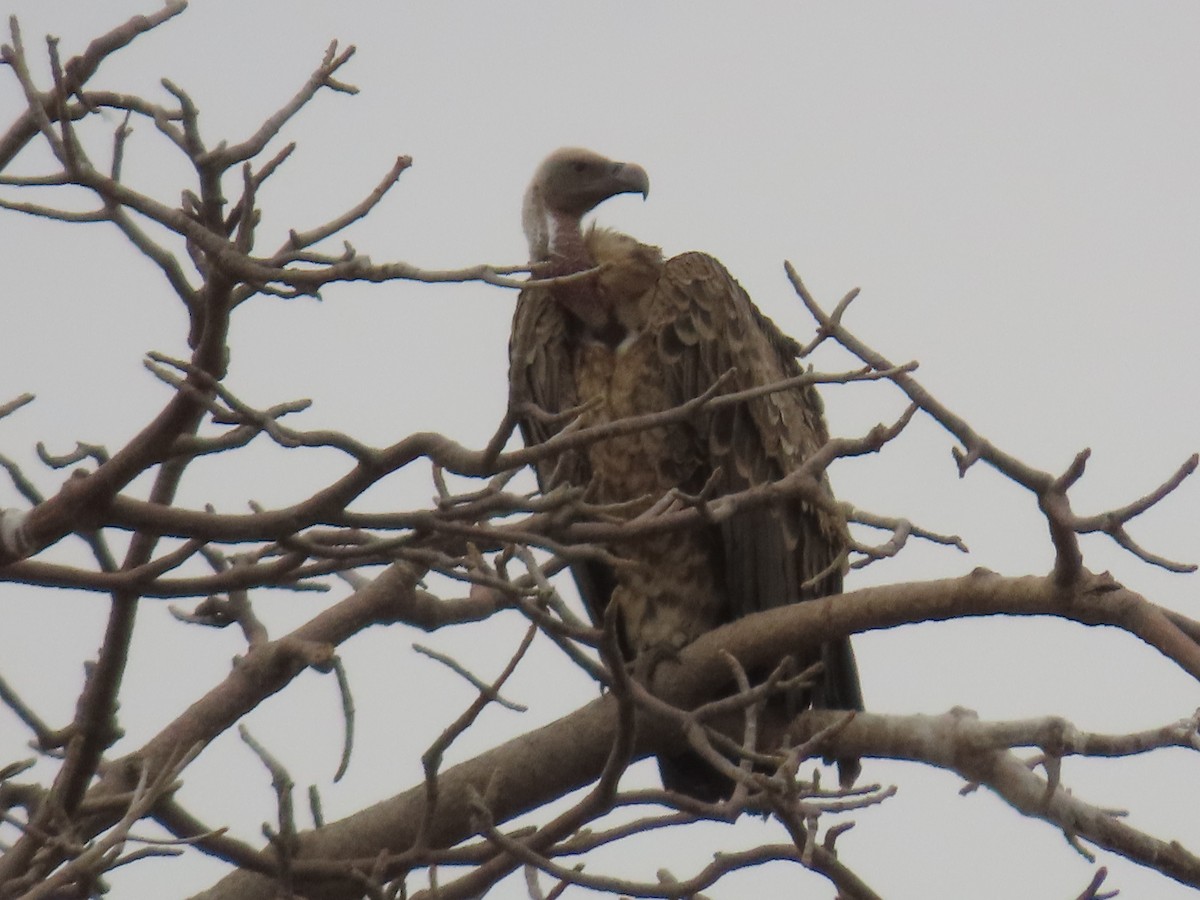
x: 502, y: 547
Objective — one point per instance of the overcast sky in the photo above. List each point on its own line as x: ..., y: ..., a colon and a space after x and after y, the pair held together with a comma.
x: 1015, y: 187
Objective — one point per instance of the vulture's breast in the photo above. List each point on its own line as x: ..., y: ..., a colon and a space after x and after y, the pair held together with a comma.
x: 670, y: 594
x: 624, y: 381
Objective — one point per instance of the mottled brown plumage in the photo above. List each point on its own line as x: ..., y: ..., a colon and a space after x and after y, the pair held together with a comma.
x: 643, y: 336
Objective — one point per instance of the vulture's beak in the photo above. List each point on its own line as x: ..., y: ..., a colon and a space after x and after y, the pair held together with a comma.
x: 630, y: 178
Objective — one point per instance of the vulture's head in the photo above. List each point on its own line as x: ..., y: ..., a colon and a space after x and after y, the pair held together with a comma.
x: 568, y: 184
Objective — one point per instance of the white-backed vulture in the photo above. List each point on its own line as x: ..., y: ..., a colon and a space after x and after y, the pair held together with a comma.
x: 645, y: 335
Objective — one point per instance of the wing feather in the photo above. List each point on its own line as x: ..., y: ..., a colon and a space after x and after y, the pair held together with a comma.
x: 541, y: 379
x: 707, y: 325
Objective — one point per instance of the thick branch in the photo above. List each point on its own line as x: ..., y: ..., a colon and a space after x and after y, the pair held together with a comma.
x: 573, y: 749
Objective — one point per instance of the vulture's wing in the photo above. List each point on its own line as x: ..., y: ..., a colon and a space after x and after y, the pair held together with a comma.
x: 540, y: 379
x: 706, y: 325
x: 541, y: 384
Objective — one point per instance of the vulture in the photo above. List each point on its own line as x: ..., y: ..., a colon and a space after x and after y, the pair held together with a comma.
x: 641, y: 335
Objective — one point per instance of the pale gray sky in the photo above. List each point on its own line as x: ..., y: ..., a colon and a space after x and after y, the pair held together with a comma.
x: 1015, y: 187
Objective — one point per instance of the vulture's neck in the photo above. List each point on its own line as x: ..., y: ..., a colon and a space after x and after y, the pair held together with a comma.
x: 567, y: 250
x: 569, y: 254
x: 605, y: 305
x: 556, y: 239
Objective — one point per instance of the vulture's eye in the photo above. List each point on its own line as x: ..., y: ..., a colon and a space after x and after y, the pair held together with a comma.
x: 579, y: 166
